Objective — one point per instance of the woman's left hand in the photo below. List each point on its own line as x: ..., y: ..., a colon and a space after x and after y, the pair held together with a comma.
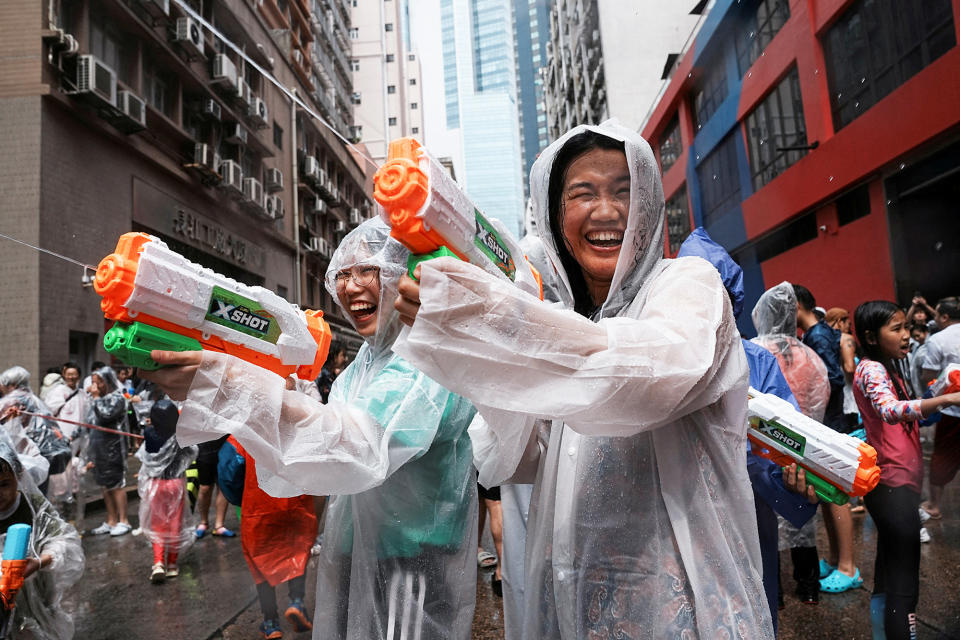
x: 177, y: 371
x: 795, y: 479
x: 408, y: 302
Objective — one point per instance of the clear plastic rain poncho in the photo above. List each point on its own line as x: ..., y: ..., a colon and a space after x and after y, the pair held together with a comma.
x: 775, y: 318
x: 642, y: 522
x: 108, y: 451
x: 24, y: 429
x: 39, y: 613
x: 399, y: 548
x: 162, y: 483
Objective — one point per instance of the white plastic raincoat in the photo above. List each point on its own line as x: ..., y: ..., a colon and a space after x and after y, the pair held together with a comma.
x: 39, y: 613
x: 399, y: 548
x: 642, y: 521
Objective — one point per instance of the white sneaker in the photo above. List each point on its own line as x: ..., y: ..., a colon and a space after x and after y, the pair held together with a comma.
x: 924, y: 516
x: 102, y: 529
x: 924, y: 535
x: 158, y: 574
x: 121, y: 529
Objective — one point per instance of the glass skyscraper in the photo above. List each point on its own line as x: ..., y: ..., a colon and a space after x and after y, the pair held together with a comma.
x: 532, y: 28
x: 481, y: 101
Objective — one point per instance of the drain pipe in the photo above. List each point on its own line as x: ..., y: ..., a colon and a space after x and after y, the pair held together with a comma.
x: 294, y: 185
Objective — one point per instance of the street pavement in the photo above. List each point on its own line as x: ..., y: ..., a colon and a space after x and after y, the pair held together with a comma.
x: 214, y: 597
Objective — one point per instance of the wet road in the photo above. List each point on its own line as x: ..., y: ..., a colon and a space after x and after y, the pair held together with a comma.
x: 214, y: 596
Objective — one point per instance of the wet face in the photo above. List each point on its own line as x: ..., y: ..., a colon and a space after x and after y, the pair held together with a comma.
x: 894, y: 338
x: 100, y: 384
x: 596, y: 201
x: 71, y: 376
x: 8, y: 489
x: 358, y: 289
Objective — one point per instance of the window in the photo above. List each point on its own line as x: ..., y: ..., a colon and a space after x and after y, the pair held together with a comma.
x: 355, y: 97
x: 388, y: 26
x: 413, y: 81
x: 391, y: 88
x: 719, y: 182
x: 391, y: 57
x: 712, y: 91
x: 756, y: 33
x: 355, y: 65
x: 670, y: 145
x: 354, y: 33
x: 677, y: 212
x: 776, y: 132
x: 790, y: 235
x: 877, y: 45
x: 853, y: 205
x: 277, y: 136
x: 392, y: 122
x: 415, y: 130
x: 159, y: 90
x: 413, y: 105
x: 111, y: 47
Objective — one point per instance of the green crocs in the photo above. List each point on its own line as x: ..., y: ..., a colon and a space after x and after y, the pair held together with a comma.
x: 838, y: 582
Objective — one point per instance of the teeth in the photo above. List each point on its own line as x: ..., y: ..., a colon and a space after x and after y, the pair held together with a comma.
x: 362, y: 306
x: 604, y: 236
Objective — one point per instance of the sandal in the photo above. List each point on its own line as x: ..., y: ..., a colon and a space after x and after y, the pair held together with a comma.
x: 826, y: 568
x: 934, y: 515
x: 201, y: 531
x: 224, y: 532
x: 838, y: 582
x: 485, y: 559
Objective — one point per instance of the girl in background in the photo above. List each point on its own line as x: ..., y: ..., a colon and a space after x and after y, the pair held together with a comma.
x: 890, y: 418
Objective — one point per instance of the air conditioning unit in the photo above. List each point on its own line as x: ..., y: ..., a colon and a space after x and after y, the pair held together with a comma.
x: 189, y: 36
x: 210, y: 109
x: 156, y: 8
x: 242, y: 93
x: 133, y: 110
x: 232, y: 177
x: 253, y: 192
x: 334, y: 194
x: 319, y: 207
x: 314, y: 245
x: 96, y: 81
x: 311, y: 169
x: 355, y: 218
x: 273, y: 180
x: 224, y: 71
x: 205, y: 158
x: 324, y: 184
x: 258, y: 112
x: 340, y: 226
x: 298, y: 57
x: 273, y: 206
x: 236, y: 134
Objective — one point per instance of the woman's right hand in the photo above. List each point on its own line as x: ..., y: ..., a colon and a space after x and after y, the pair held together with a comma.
x: 177, y: 371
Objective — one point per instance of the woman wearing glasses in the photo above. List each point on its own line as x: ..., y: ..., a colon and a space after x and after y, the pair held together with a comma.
x: 391, y: 446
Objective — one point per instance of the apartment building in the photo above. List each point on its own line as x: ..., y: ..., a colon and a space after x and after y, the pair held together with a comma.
x: 196, y: 122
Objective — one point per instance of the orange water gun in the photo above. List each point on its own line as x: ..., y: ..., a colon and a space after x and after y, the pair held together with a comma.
x: 161, y: 300
x: 432, y: 216
x: 11, y: 572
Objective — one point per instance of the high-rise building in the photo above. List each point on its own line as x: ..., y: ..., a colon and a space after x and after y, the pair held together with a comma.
x: 531, y: 26
x: 163, y: 116
x: 608, y: 58
x: 480, y: 98
x: 387, y: 97
x: 817, y: 144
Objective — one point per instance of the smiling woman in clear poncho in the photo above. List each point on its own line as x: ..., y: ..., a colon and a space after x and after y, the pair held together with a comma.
x: 399, y: 548
x: 630, y: 413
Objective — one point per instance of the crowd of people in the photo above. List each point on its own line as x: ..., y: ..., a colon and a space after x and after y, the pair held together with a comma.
x: 603, y: 437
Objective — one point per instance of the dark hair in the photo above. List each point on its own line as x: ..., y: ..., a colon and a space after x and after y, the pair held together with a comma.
x: 70, y: 365
x: 97, y: 365
x: 804, y: 297
x: 920, y: 325
x: 571, y: 150
x: 335, y: 347
x: 6, y: 468
x: 871, y: 317
x: 949, y: 307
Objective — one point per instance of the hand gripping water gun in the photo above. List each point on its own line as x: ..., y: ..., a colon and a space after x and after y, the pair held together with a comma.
x: 161, y: 300
x: 837, y: 465
x: 11, y: 572
x: 432, y: 216
x: 947, y: 382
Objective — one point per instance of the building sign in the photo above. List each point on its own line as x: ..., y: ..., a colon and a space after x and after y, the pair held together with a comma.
x: 159, y: 211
